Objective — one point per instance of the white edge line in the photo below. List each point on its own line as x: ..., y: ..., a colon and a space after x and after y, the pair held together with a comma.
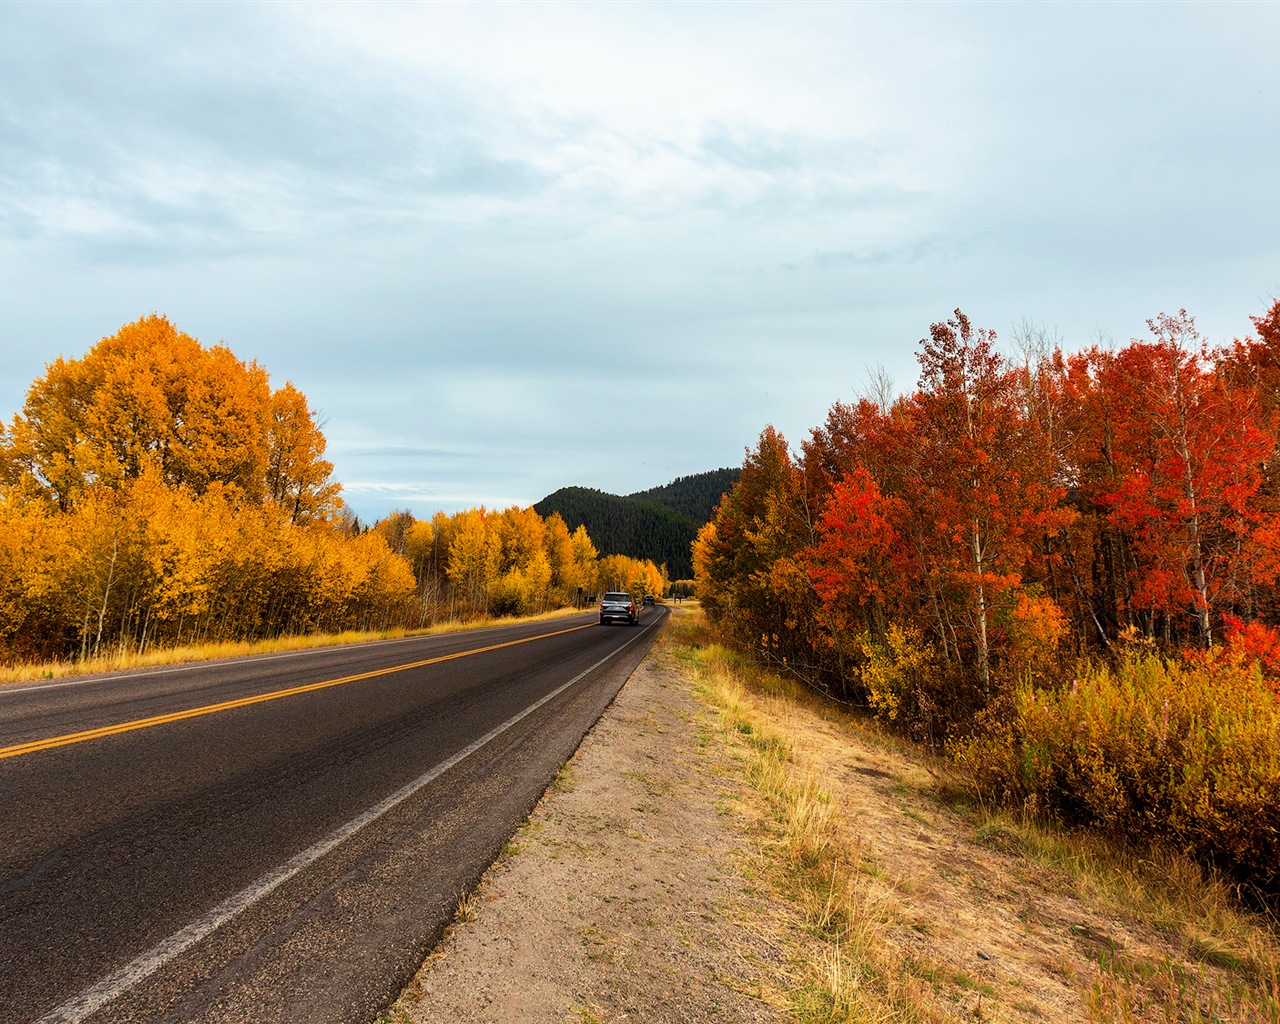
x: 114, y: 985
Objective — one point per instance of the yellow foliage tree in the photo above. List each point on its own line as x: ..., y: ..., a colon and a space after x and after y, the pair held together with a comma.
x: 297, y: 476
x: 150, y: 396
x: 156, y: 491
x: 473, y: 558
x: 558, y: 544
x: 635, y: 576
x: 585, y: 558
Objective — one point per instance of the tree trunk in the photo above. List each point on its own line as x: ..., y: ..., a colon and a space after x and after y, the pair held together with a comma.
x: 106, y: 594
x: 984, y: 664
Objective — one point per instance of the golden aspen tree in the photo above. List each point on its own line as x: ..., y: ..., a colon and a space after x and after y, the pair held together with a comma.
x: 147, y: 395
x: 420, y: 552
x: 471, y: 566
x: 585, y: 557
x: 36, y: 614
x: 217, y: 408
x: 419, y: 546
x: 519, y: 533
x: 558, y: 545
x: 297, y: 475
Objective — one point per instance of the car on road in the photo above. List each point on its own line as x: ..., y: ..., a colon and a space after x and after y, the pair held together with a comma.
x: 617, y: 605
x: 648, y: 600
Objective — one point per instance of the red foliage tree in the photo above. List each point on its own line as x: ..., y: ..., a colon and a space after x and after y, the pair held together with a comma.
x: 1187, y: 452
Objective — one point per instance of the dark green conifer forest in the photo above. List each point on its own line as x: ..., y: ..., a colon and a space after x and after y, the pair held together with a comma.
x: 658, y: 524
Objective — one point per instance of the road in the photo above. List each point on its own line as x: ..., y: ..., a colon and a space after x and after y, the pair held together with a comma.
x: 279, y: 838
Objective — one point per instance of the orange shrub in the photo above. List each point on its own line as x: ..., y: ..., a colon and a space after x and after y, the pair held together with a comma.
x: 1255, y: 643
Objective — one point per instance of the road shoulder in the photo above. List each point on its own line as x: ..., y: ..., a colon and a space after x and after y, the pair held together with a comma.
x: 623, y: 896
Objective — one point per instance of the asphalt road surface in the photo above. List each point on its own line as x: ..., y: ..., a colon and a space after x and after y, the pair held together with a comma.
x: 279, y: 838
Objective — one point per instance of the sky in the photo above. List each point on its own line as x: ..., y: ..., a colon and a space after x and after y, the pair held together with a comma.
x: 506, y: 248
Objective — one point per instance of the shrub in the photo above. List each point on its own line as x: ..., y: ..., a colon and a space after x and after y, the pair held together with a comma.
x: 1150, y: 749
x: 895, y: 673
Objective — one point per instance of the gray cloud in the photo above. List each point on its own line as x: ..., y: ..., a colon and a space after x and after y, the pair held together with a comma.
x: 471, y: 235
x: 142, y: 145
x: 393, y: 452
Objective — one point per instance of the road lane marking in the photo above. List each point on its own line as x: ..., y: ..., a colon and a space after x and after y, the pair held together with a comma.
x: 32, y: 746
x: 114, y: 985
x: 117, y: 675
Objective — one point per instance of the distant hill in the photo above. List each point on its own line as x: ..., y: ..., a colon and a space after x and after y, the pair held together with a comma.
x: 658, y: 524
x: 696, y: 497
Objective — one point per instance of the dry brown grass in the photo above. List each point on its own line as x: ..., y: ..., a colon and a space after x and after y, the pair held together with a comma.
x: 846, y: 970
x: 1101, y: 933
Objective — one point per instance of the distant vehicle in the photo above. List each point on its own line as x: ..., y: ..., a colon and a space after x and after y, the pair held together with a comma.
x: 648, y: 599
x: 619, y: 606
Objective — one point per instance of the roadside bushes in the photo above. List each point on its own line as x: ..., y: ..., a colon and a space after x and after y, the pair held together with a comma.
x: 1148, y: 749
x: 901, y: 677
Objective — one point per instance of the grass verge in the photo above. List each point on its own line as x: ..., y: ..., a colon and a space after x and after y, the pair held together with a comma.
x: 846, y: 968
x: 1196, y: 955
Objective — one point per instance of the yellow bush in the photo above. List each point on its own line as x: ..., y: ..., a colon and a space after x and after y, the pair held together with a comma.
x: 893, y: 669
x: 1151, y: 749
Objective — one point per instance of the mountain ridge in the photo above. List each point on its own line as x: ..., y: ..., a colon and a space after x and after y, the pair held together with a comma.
x: 659, y: 523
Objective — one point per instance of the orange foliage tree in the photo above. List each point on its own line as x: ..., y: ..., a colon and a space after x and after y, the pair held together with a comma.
x: 1002, y: 513
x: 156, y: 491
x: 151, y: 397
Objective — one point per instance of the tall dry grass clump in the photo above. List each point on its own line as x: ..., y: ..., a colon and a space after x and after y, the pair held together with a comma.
x: 856, y: 974
x: 1149, y: 749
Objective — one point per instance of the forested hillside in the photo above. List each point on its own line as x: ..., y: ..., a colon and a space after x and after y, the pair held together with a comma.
x: 693, y: 496
x: 659, y: 524
x: 626, y: 526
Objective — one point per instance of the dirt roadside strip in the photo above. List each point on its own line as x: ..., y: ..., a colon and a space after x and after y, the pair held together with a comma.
x: 622, y: 897
x: 643, y: 888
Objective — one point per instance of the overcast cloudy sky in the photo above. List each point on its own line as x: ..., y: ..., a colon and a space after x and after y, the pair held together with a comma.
x: 505, y: 248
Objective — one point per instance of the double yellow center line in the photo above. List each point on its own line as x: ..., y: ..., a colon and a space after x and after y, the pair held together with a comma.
x: 32, y: 746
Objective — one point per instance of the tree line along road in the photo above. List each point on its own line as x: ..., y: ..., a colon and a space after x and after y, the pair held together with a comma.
x: 281, y: 837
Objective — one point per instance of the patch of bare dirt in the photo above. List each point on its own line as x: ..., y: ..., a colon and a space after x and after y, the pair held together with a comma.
x: 622, y: 898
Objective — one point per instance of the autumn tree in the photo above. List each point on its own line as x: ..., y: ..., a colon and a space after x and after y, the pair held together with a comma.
x: 585, y: 557
x: 1190, y: 453
x: 152, y: 396
x: 749, y: 565
x: 973, y: 484
x: 473, y: 557
x: 522, y: 580
x: 855, y: 564
x: 297, y: 477
x: 566, y: 578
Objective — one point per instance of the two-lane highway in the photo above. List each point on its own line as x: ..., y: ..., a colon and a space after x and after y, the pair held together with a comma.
x: 280, y: 837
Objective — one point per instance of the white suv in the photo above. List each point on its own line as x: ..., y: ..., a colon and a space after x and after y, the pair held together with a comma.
x: 619, y: 606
